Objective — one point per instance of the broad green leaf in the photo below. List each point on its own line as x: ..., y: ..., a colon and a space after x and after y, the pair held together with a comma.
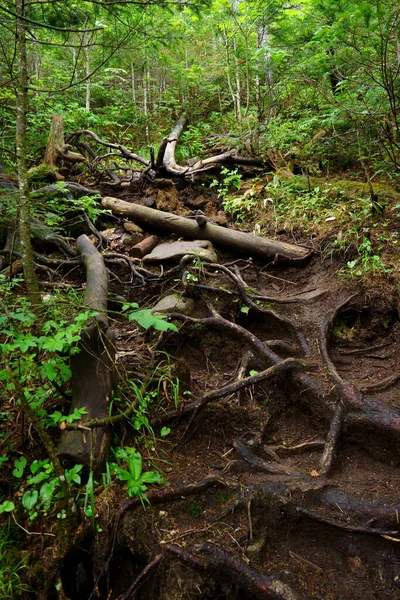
x: 146, y: 319
x: 29, y: 499
x: 135, y: 465
x: 42, y: 476
x: 123, y: 474
x: 47, y: 490
x: 135, y: 489
x: 6, y: 506
x: 19, y: 464
x: 151, y: 477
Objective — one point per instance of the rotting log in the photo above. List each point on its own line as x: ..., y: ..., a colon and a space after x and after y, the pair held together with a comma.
x: 92, y: 370
x: 237, y: 241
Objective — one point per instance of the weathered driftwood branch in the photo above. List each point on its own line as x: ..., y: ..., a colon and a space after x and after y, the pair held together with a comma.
x: 92, y: 369
x: 124, y: 152
x: 166, y: 154
x: 238, y: 241
x: 165, y: 162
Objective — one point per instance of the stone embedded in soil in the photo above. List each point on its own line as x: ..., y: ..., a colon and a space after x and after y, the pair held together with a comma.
x: 174, y: 251
x: 131, y: 239
x: 121, y: 237
x: 174, y: 303
x: 131, y: 227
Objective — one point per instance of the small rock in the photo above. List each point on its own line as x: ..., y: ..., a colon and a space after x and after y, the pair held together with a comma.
x: 174, y: 303
x: 132, y: 227
x: 203, y: 249
x: 109, y: 233
x: 150, y: 201
x: 131, y: 239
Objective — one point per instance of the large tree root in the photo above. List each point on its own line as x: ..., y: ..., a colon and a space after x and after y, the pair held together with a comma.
x: 354, y: 411
x: 92, y: 370
x: 194, y: 407
x: 214, y: 559
x: 242, y: 287
x: 360, y: 412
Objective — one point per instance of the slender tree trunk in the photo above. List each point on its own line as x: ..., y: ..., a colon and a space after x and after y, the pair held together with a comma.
x: 87, y: 68
x: 21, y: 125
x: 238, y: 91
x: 133, y: 82
x: 146, y: 101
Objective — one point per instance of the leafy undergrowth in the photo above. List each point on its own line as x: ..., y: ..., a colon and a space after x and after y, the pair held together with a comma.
x: 336, y: 216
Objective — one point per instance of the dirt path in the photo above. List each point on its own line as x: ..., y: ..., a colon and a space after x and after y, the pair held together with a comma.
x: 286, y: 489
x: 281, y: 394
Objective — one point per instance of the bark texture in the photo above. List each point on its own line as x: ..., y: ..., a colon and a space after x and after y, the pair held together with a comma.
x: 92, y: 370
x: 229, y: 238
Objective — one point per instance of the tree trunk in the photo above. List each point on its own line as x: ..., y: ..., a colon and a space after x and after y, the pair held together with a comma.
x: 238, y: 241
x: 58, y: 153
x: 24, y: 203
x: 55, y: 140
x: 87, y: 73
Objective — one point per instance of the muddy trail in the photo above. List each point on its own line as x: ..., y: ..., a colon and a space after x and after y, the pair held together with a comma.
x: 281, y: 464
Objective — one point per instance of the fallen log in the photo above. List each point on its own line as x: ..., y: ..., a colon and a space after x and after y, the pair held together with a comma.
x: 92, y: 370
x: 144, y: 247
x: 237, y: 241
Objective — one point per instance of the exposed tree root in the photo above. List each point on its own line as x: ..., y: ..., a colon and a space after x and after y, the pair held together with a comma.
x: 92, y: 370
x: 141, y: 578
x: 262, y: 465
x: 346, y: 527
x: 279, y: 369
x: 214, y: 559
x: 331, y: 441
x: 357, y: 411
x: 242, y: 287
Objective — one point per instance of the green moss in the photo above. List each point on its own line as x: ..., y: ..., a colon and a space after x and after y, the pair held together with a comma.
x: 42, y: 174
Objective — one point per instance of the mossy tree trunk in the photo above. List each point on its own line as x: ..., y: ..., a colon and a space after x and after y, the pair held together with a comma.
x: 24, y: 203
